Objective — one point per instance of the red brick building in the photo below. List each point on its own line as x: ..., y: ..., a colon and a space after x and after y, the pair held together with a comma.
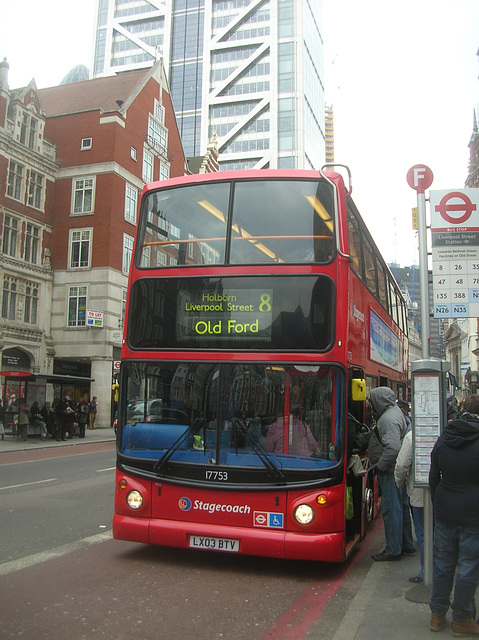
x: 73, y: 161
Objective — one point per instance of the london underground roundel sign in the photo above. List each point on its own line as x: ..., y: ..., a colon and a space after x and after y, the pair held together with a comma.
x: 455, y: 207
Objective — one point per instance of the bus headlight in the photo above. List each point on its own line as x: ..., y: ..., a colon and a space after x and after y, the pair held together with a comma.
x: 304, y: 514
x: 134, y: 499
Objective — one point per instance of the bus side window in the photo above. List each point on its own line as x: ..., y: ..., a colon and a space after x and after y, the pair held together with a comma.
x: 355, y: 245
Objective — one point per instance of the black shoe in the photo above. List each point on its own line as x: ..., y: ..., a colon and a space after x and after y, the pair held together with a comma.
x: 384, y: 557
x: 408, y: 552
x: 416, y: 579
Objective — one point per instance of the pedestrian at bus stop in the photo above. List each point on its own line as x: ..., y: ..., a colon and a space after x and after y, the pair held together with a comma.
x: 454, y: 485
x: 82, y: 413
x: 37, y: 421
x: 384, y: 447
x: 65, y: 415
x: 92, y: 411
x: 48, y: 418
x: 23, y: 420
x: 404, y: 477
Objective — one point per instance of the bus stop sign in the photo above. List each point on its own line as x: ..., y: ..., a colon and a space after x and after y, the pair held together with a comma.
x: 453, y: 211
x: 419, y: 177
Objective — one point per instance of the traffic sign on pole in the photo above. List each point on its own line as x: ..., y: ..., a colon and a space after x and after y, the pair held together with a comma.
x: 455, y: 252
x: 419, y: 177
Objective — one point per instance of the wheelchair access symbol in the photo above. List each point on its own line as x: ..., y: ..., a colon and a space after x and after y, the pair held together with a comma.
x: 268, y: 519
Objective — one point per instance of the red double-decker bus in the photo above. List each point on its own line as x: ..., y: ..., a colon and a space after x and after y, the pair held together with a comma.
x: 259, y: 312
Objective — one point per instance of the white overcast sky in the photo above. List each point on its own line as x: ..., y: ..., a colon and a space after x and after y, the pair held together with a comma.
x: 402, y: 78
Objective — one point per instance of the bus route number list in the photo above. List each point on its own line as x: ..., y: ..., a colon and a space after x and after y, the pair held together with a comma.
x: 426, y: 424
x: 455, y: 253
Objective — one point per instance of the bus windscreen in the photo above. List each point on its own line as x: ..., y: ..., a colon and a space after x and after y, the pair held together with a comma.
x: 244, y: 222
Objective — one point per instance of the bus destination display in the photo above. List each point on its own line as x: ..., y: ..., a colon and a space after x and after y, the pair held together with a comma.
x: 231, y: 313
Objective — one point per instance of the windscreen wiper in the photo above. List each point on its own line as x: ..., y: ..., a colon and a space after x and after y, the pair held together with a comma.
x: 262, y: 454
x: 160, y: 465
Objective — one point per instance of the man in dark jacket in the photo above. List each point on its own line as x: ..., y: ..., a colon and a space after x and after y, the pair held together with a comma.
x: 384, y: 446
x: 454, y: 484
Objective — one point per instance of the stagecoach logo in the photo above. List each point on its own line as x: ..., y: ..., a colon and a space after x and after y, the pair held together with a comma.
x: 184, y: 504
x: 355, y: 313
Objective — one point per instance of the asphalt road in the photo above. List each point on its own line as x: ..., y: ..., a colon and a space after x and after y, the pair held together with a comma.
x: 55, y: 500
x: 62, y: 576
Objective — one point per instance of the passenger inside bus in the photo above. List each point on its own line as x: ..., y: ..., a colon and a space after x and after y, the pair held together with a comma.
x: 302, y: 440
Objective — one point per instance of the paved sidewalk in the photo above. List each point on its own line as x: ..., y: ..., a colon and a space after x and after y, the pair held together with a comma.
x: 10, y: 443
x: 382, y: 607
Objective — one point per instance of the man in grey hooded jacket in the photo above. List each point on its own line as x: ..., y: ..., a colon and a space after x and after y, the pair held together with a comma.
x: 384, y: 446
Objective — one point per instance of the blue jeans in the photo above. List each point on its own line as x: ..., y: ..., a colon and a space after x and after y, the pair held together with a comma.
x: 455, y: 548
x: 418, y: 519
x: 393, y: 517
x: 407, y: 539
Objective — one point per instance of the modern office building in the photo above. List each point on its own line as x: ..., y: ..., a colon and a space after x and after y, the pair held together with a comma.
x: 249, y: 70
x: 329, y: 133
x: 408, y: 281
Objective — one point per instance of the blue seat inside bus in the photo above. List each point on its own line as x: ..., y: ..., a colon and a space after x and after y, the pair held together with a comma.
x: 148, y: 438
x: 210, y: 438
x: 144, y: 435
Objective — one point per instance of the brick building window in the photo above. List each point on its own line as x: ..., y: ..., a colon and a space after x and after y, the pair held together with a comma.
x: 123, y: 307
x: 83, y: 195
x: 15, y: 180
x: 80, y: 244
x: 127, y: 252
x: 147, y: 172
x: 10, y: 236
x: 130, y: 204
x: 22, y: 295
x: 164, y: 171
x: 32, y: 243
x: 157, y: 135
x: 28, y: 131
x: 35, y: 190
x: 77, y: 306
x: 9, y: 297
x: 30, y: 309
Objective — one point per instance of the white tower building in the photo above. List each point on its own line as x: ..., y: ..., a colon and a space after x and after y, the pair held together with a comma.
x: 249, y: 70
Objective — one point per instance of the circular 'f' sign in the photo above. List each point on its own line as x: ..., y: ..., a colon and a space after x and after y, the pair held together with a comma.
x: 461, y: 211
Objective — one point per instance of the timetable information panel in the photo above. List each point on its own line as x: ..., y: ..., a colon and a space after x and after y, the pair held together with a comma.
x: 426, y: 407
x: 455, y: 253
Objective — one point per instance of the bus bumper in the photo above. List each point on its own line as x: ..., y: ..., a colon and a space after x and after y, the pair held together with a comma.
x: 328, y: 547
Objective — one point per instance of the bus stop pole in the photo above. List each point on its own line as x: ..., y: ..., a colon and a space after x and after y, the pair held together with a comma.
x: 424, y: 300
x: 423, y: 275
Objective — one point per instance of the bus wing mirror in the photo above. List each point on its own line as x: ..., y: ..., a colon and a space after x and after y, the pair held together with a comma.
x: 358, y: 389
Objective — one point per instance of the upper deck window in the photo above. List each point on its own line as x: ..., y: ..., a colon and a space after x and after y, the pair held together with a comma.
x: 243, y: 222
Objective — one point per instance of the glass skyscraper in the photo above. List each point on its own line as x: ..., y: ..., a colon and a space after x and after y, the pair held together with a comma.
x: 249, y: 70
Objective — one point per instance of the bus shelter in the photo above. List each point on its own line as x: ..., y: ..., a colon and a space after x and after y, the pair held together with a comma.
x: 41, y: 387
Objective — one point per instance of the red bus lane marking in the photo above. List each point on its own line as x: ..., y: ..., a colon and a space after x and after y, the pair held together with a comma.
x: 298, y: 619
